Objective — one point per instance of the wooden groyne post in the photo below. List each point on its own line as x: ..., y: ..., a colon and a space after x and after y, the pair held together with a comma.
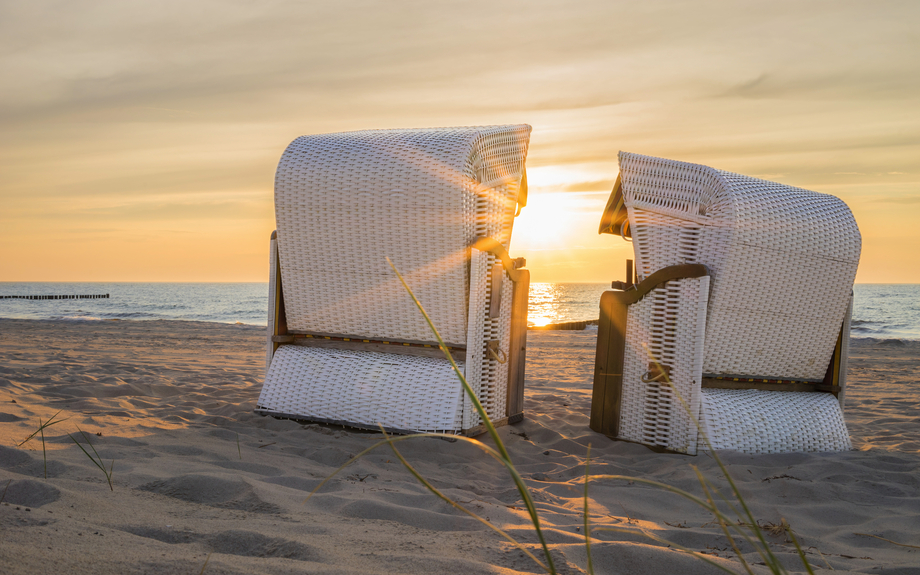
x: 84, y: 296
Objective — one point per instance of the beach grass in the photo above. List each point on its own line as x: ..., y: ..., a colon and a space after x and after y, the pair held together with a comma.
x: 203, y: 567
x: 3, y: 496
x: 95, y: 458
x: 749, y: 531
x: 586, y: 517
x: 41, y: 431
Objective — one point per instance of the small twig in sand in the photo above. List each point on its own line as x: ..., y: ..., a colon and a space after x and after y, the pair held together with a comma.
x: 629, y: 520
x: 783, y: 476
x: 238, y: 446
x: 266, y: 445
x: 888, y: 540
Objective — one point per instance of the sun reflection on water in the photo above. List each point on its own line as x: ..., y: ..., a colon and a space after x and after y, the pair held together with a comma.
x: 562, y: 302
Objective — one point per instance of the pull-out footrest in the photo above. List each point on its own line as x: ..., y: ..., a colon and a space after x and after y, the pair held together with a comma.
x: 363, y: 389
x: 758, y: 421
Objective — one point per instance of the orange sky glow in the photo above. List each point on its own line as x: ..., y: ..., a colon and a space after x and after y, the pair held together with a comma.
x: 138, y: 141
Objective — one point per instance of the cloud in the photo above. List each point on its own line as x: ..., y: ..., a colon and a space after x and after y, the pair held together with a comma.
x: 907, y: 200
x: 870, y: 84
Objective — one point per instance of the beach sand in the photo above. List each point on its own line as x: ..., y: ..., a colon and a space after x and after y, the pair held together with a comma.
x: 197, y: 476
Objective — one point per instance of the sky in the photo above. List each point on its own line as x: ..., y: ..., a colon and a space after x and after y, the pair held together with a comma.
x: 139, y: 140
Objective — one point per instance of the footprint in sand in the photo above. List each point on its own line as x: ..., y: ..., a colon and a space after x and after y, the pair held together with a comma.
x: 30, y: 493
x: 213, y: 491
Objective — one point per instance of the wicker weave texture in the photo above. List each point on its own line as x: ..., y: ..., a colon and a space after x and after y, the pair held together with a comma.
x: 346, y: 201
x: 496, y: 403
x: 666, y: 328
x: 364, y: 388
x: 756, y: 421
x: 475, y: 338
x: 782, y: 260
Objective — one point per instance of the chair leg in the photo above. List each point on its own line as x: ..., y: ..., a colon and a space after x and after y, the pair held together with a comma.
x: 835, y: 379
x: 277, y: 320
x: 608, y: 364
x: 518, y: 348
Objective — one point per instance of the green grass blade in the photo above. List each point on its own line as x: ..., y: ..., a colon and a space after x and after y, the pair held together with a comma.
x: 586, y: 518
x: 391, y: 440
x: 795, y: 541
x: 493, y: 433
x: 44, y: 451
x: 769, y: 557
x: 99, y: 463
x: 722, y: 522
x: 2, y: 497
x: 96, y: 463
x: 456, y: 505
x: 206, y: 559
x: 42, y: 426
x: 689, y: 496
x: 91, y: 446
x: 518, y: 481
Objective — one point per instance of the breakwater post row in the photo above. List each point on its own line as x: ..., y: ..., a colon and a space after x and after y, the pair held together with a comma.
x: 88, y: 296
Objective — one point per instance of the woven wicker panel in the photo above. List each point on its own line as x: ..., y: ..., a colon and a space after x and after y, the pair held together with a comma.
x: 346, y: 201
x: 786, y: 329
x: 364, y: 388
x: 495, y: 216
x: 498, y: 402
x: 494, y: 386
x: 660, y: 241
x: 755, y: 421
x: 782, y: 260
x: 667, y: 327
x: 475, y: 341
x: 633, y: 398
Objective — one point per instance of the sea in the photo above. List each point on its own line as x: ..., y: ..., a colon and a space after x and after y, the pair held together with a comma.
x: 883, y: 311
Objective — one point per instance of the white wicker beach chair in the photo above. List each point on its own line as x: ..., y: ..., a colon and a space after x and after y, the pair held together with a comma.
x: 737, y: 314
x: 347, y: 345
